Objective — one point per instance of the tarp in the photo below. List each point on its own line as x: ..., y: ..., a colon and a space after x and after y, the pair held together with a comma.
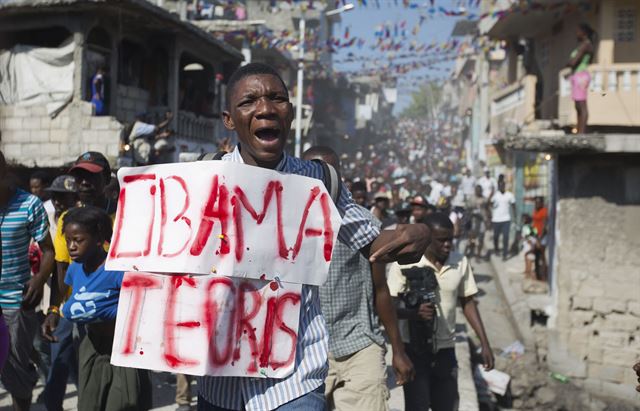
x: 31, y: 75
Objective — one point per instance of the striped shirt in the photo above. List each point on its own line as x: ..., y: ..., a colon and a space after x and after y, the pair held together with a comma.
x: 23, y: 219
x: 311, y: 367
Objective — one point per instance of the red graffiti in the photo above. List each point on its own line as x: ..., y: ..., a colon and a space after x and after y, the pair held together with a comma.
x: 211, y: 311
x: 328, y: 230
x: 138, y: 284
x: 229, y: 317
x: 219, y: 194
x: 179, y: 216
x: 244, y: 326
x: 171, y: 355
x: 280, y: 325
x: 115, y: 252
x: 216, y: 210
x: 241, y: 199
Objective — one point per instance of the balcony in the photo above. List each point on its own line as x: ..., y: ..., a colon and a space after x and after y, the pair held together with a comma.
x: 613, y: 100
x: 513, y: 107
x: 194, y: 127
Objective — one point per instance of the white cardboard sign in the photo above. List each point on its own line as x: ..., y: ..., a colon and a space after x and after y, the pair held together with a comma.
x: 207, y: 325
x: 253, y: 236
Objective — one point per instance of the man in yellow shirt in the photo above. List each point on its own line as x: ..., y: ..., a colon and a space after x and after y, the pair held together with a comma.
x: 435, y: 384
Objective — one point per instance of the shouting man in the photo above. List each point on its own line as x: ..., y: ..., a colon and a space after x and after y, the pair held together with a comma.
x: 259, y: 111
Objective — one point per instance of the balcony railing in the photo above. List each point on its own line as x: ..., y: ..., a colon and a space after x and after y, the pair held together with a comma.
x: 613, y: 99
x: 194, y: 127
x: 513, y: 107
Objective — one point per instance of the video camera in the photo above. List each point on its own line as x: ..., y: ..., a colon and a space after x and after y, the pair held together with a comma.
x: 422, y: 288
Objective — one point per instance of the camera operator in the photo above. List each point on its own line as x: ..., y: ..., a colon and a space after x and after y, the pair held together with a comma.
x: 428, y: 308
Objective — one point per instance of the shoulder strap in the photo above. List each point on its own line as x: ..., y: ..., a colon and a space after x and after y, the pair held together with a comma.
x: 212, y: 156
x: 331, y: 179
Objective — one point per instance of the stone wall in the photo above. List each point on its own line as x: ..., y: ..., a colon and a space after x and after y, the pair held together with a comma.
x: 131, y: 101
x: 28, y: 136
x: 596, y: 338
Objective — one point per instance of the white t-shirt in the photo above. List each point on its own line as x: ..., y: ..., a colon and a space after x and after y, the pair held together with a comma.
x: 468, y: 185
x: 501, y: 206
x: 51, y: 215
x: 458, y: 200
x: 487, y: 184
x: 436, y: 191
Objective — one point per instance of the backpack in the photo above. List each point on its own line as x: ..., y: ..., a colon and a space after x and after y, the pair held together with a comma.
x: 330, y: 176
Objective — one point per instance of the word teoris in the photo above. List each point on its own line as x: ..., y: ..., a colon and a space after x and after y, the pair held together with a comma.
x: 254, y: 236
x: 207, y: 325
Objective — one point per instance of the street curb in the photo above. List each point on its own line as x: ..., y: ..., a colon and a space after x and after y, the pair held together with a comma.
x: 518, y: 310
x: 466, y: 386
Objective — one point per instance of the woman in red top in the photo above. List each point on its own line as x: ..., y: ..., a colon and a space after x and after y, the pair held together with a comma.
x: 539, y: 216
x: 539, y: 222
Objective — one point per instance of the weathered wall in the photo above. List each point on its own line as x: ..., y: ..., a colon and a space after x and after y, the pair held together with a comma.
x: 28, y: 136
x: 597, y: 335
x: 131, y: 101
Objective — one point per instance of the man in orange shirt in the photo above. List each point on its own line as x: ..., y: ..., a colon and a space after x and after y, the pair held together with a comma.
x: 539, y: 217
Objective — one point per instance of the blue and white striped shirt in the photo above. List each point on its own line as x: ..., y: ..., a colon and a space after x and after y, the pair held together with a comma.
x: 23, y: 219
x: 357, y: 231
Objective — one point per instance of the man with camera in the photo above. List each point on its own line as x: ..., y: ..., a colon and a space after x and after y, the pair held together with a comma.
x: 426, y: 296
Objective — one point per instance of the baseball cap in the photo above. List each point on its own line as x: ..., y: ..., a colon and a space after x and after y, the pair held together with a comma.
x: 420, y: 201
x: 403, y: 207
x: 93, y: 162
x: 63, y: 184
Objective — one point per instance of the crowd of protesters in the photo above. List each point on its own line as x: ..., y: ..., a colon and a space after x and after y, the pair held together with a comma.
x: 410, y: 178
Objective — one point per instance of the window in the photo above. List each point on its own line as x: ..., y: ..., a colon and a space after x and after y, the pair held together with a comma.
x: 626, y: 25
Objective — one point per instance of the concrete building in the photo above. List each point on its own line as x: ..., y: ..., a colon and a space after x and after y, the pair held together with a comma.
x: 591, y: 183
x: 154, y: 63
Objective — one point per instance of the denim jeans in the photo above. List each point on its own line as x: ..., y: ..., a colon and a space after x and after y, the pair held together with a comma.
x: 499, y: 229
x: 436, y: 382
x: 311, y: 401
x: 64, y: 364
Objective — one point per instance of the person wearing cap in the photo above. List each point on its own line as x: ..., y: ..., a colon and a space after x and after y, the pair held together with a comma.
x: 22, y: 219
x: 91, y: 173
x: 403, y: 213
x: 64, y: 195
x: 380, y: 208
x: 420, y: 208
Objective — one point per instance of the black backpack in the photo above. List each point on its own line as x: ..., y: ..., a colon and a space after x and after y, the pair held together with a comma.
x: 331, y: 176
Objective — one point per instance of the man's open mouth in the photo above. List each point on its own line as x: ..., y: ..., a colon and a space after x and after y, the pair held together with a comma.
x: 267, y: 133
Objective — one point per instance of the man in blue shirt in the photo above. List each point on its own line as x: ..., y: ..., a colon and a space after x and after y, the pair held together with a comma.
x: 22, y: 218
x: 259, y: 111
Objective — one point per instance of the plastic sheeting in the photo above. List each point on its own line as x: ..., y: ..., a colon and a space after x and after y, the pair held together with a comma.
x: 32, y: 75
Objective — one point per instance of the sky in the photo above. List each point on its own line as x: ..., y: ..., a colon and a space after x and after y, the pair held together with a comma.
x: 362, y: 22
